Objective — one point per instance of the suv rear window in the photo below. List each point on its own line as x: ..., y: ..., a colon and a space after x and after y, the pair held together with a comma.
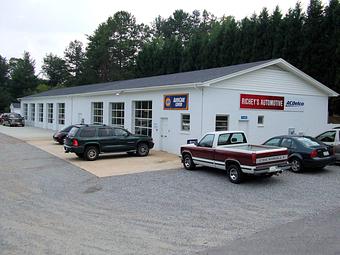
x: 87, y: 132
x: 73, y: 131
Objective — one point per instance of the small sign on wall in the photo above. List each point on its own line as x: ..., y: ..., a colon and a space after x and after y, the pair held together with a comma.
x: 176, y: 102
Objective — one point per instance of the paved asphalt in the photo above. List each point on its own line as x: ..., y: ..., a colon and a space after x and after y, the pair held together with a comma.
x: 48, y: 206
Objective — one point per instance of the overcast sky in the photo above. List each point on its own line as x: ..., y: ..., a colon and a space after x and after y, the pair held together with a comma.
x: 44, y: 26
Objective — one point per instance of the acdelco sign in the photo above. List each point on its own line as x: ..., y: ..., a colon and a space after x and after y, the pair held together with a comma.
x: 294, y: 104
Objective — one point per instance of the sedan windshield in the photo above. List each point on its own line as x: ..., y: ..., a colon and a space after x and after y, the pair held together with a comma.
x: 308, y: 142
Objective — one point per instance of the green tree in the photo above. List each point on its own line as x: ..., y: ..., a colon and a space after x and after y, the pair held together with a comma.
x: 55, y: 69
x: 5, y: 97
x: 74, y: 57
x: 112, y: 49
x: 23, y: 78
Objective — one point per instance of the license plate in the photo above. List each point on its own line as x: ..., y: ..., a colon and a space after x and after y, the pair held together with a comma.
x: 272, y: 169
x: 326, y: 153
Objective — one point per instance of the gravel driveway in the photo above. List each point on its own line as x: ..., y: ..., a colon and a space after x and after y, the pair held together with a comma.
x: 49, y: 206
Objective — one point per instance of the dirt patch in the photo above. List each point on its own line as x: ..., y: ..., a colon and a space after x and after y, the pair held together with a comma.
x: 114, y: 164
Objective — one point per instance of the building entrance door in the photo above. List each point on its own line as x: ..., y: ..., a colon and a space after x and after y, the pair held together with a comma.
x: 164, y: 133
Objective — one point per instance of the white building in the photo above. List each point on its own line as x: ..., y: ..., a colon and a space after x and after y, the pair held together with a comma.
x: 15, y: 107
x: 264, y: 99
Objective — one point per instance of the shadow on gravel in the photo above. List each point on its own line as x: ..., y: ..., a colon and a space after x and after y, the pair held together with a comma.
x: 312, y: 171
x: 254, y: 180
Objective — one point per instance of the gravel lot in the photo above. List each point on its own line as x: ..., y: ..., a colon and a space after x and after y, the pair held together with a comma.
x: 49, y: 206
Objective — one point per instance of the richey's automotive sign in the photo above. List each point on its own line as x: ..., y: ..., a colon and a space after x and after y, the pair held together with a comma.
x: 265, y: 102
x: 249, y: 101
x: 176, y: 102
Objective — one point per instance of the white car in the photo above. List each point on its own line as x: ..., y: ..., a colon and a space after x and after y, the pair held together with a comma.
x: 332, y: 137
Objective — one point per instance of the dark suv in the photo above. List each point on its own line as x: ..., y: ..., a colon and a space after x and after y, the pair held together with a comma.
x: 88, y: 141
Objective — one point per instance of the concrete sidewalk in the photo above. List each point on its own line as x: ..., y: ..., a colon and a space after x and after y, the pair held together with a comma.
x: 106, y: 165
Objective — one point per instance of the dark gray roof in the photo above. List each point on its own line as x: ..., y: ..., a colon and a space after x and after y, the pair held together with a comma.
x: 153, y: 81
x: 16, y: 105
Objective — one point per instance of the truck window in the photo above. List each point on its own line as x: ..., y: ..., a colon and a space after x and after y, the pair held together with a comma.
x: 238, y: 138
x: 207, y: 141
x: 327, y: 137
x: 223, y: 139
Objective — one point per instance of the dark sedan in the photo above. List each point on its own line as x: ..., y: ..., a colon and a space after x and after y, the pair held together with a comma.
x: 12, y: 119
x: 304, y: 151
x: 60, y: 136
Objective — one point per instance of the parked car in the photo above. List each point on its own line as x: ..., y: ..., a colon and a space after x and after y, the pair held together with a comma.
x: 88, y: 141
x: 332, y: 138
x: 60, y: 136
x: 229, y: 150
x: 12, y: 119
x: 304, y: 151
x: 1, y: 118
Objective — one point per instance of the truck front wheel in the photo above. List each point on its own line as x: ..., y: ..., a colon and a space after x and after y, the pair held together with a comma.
x: 188, y: 163
x: 235, y: 174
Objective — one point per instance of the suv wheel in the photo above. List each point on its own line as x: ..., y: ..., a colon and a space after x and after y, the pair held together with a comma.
x: 91, y: 153
x: 235, y: 174
x: 142, y: 149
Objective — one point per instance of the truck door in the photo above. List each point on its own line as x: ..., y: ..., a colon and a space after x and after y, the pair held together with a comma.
x: 204, y: 153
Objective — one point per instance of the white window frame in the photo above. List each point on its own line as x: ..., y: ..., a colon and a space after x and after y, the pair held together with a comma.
x: 185, y: 122
x: 32, y: 112
x: 25, y: 111
x: 142, y: 117
x: 50, y: 113
x: 117, y: 114
x: 97, y: 112
x: 260, y: 124
x: 61, y: 113
x: 221, y: 127
x: 41, y: 112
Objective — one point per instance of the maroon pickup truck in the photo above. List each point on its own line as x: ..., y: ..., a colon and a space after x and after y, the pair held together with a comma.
x: 229, y: 150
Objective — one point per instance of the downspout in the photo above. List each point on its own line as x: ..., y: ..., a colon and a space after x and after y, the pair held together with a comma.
x: 202, y: 92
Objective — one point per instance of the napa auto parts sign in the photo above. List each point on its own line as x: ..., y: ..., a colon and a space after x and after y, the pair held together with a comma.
x: 176, y: 102
x: 265, y: 102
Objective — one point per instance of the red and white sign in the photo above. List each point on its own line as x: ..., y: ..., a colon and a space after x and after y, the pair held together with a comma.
x: 249, y: 101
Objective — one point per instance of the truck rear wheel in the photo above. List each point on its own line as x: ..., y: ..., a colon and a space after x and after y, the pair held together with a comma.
x: 235, y: 174
x: 188, y: 163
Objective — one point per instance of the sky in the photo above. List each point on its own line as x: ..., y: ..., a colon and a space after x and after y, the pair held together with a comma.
x: 47, y: 26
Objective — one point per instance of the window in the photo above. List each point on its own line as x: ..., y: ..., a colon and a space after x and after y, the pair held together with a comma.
x: 121, y: 132
x: 32, y: 115
x: 185, y: 122
x: 288, y: 143
x: 273, y: 142
x: 117, y: 114
x: 50, y: 113
x: 327, y: 137
x: 105, y: 132
x: 260, y: 120
x: 25, y: 111
x: 223, y: 139
x: 73, y: 131
x: 238, y: 138
x: 207, y: 141
x: 61, y: 113
x: 221, y: 123
x: 87, y: 132
x: 97, y: 113
x: 143, y: 117
x: 41, y: 112
x: 308, y: 142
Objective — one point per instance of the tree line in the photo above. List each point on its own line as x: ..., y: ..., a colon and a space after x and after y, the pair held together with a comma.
x: 121, y: 48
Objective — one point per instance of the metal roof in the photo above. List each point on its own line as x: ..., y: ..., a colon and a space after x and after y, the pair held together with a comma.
x: 184, y: 78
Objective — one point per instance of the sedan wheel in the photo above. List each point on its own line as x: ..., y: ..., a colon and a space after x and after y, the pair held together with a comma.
x: 296, y: 165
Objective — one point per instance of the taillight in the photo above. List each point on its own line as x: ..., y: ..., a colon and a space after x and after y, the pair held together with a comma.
x: 313, y: 154
x: 75, y: 143
x: 253, y: 158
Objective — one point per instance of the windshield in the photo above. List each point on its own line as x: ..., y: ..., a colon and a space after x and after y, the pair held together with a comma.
x: 73, y: 132
x: 15, y: 115
x: 308, y: 142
